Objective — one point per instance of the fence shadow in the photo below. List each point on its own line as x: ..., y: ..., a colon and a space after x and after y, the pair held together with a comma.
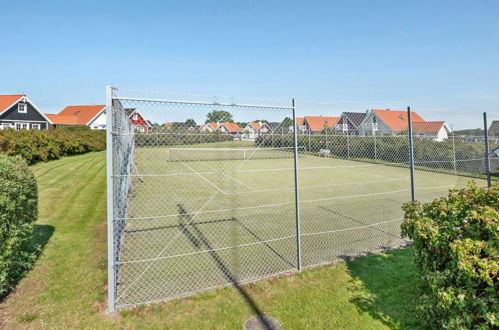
x: 390, y: 280
x: 40, y: 238
x: 196, y: 236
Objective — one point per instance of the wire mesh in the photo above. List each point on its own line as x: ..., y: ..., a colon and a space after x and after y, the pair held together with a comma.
x: 205, y: 192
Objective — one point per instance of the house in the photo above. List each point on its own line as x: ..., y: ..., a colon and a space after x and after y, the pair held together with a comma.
x: 300, y: 124
x: 494, y: 161
x: 349, y: 122
x: 279, y: 128
x: 138, y: 121
x: 386, y: 122
x: 435, y: 130
x: 254, y: 129
x: 494, y: 128
x: 93, y: 116
x: 209, y: 127
x: 18, y: 112
x: 230, y: 128
x: 317, y: 124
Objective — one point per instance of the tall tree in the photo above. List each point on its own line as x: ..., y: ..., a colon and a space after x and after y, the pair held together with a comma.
x: 219, y: 116
x: 287, y: 122
x: 190, y: 122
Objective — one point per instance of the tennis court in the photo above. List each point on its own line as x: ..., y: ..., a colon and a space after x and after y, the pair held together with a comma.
x: 200, y: 218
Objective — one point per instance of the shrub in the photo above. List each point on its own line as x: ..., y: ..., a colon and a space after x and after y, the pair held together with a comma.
x: 41, y: 146
x: 457, y: 252
x: 18, y: 211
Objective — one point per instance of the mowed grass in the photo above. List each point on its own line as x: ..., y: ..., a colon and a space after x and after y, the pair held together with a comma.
x: 67, y: 287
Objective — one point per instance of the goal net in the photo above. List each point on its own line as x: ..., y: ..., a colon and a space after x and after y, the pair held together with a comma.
x: 215, y: 154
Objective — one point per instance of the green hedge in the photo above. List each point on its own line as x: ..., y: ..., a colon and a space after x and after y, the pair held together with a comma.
x: 171, y: 138
x: 41, y: 146
x: 457, y: 252
x: 392, y: 149
x: 18, y: 211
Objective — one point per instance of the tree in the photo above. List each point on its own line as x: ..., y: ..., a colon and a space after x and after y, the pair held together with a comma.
x: 261, y: 121
x: 190, y: 122
x: 287, y: 122
x: 219, y: 116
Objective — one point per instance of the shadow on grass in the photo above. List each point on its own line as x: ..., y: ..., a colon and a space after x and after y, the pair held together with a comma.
x: 41, y: 236
x: 200, y: 241
x: 385, y: 286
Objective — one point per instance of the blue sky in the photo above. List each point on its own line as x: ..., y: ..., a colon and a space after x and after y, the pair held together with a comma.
x: 440, y: 57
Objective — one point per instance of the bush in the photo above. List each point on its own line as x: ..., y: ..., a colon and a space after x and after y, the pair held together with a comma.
x: 429, y: 155
x: 41, y: 146
x: 457, y: 252
x: 18, y: 211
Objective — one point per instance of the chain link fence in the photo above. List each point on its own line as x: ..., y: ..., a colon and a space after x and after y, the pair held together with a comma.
x: 207, y: 192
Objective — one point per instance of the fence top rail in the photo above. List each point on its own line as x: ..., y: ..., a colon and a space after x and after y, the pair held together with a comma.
x: 240, y: 105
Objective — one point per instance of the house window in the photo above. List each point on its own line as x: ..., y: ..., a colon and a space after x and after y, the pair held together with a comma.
x: 22, y: 108
x: 20, y: 126
x: 375, y: 124
x: 35, y: 126
x: 135, y: 116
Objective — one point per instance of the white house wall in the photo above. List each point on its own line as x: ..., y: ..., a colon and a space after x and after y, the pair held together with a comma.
x: 99, y: 122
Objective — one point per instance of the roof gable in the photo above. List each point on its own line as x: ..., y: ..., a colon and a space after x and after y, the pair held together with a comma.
x: 355, y: 117
x: 494, y: 127
x: 299, y: 121
x: 397, y: 120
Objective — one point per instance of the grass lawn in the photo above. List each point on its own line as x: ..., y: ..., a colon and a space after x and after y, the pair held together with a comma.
x: 66, y: 288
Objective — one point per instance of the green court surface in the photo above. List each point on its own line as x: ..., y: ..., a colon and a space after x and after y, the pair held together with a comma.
x: 204, y: 221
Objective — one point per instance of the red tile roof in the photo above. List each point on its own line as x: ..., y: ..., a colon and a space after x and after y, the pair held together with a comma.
x: 8, y: 100
x: 62, y: 120
x: 256, y: 125
x: 299, y: 121
x: 318, y: 123
x: 232, y: 127
x: 214, y: 126
x: 76, y: 114
x: 397, y: 120
x: 427, y: 126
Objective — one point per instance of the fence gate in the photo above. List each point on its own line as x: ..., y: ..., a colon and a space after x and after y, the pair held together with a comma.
x: 196, y: 201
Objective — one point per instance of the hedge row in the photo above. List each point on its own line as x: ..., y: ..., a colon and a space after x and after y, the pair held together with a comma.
x: 457, y: 252
x: 18, y: 211
x: 392, y: 149
x: 166, y: 138
x: 41, y: 146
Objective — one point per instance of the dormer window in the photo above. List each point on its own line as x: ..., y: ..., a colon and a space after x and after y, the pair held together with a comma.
x: 135, y: 116
x: 22, y: 107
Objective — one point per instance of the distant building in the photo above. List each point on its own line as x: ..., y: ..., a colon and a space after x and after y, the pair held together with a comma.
x: 317, y: 124
x: 138, y: 121
x: 255, y: 129
x: 230, y: 128
x: 93, y: 116
x: 18, y: 112
x: 350, y: 122
x: 386, y: 122
x: 494, y: 128
x: 209, y: 127
x: 435, y: 130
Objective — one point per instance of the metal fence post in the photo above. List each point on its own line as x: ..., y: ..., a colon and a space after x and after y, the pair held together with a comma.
x: 411, y: 154
x: 487, y: 152
x: 297, y: 190
x: 454, y: 149
x: 110, y: 201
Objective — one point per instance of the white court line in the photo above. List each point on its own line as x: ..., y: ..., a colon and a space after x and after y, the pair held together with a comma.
x: 288, y: 203
x: 205, y: 179
x: 229, y: 176
x: 167, y: 246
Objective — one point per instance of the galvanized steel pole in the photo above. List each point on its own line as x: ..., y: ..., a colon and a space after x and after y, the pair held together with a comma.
x: 487, y: 151
x: 411, y: 154
x: 110, y: 205
x: 297, y: 190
